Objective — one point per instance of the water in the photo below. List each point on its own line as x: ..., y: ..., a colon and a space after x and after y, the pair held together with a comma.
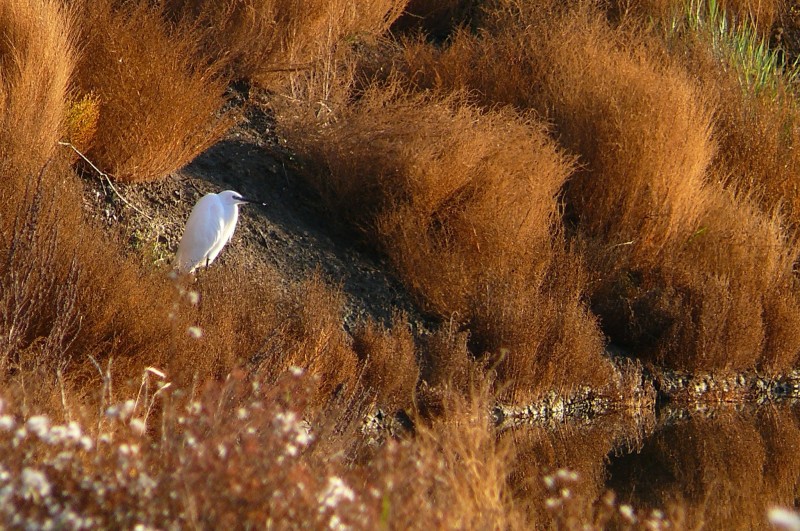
x: 721, y: 468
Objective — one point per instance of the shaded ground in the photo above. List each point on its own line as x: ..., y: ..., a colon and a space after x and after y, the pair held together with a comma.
x: 290, y: 235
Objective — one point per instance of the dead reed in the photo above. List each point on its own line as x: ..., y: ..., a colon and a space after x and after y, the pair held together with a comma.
x: 449, y: 463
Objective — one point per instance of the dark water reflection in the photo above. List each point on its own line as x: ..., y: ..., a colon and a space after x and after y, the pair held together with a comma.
x: 715, y: 470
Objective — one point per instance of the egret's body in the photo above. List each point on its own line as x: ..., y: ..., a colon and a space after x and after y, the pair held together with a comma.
x: 210, y: 227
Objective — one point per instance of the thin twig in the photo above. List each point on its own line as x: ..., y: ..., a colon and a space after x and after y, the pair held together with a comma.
x: 621, y: 244
x: 291, y: 68
x: 103, y: 393
x: 105, y: 176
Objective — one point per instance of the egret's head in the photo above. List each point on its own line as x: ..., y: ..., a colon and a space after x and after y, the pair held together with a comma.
x: 235, y: 198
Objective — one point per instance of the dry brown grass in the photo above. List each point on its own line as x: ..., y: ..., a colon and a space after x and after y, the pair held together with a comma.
x: 446, y: 192
x: 500, y: 226
x: 272, y: 329
x: 641, y: 129
x: 755, y: 130
x: 456, y: 461
x: 390, y: 371
x: 158, y: 107
x: 756, y: 150
x: 646, y: 192
x: 763, y: 14
x: 37, y: 56
x: 264, y: 41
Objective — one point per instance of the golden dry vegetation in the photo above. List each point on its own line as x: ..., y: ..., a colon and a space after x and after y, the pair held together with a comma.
x: 546, y: 179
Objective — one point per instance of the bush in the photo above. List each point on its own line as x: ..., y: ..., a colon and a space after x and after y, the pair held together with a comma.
x: 159, y: 107
x: 37, y: 55
x: 646, y: 189
x: 446, y: 192
x: 265, y: 41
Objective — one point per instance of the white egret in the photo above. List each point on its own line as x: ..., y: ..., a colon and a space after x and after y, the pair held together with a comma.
x: 210, y: 227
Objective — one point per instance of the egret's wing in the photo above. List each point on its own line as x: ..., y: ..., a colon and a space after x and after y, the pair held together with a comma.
x: 230, y: 214
x: 202, y: 233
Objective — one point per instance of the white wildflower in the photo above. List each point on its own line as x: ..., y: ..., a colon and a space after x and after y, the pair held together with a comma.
x: 784, y: 518
x: 336, y: 523
x: 35, y: 484
x: 195, y: 332
x: 285, y: 422
x: 241, y: 413
x: 549, y: 482
x: 296, y: 371
x: 194, y: 408
x: 4, y: 474
x: 121, y: 411
x: 71, y: 433
x: 304, y: 436
x: 567, y: 475
x: 56, y: 435
x: 147, y: 484
x: 138, y: 426
x: 128, y: 449
x: 335, y: 491
x: 193, y: 297
x: 126, y: 409
x: 7, y: 423
x: 74, y: 432
x: 552, y: 503
x: 39, y: 425
x: 19, y: 435
x: 627, y: 512
x: 86, y: 443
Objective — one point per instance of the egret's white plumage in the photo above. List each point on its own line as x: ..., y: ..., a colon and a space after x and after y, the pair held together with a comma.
x: 210, y: 227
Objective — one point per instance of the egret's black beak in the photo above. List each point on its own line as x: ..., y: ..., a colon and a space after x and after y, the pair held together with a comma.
x: 254, y: 201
